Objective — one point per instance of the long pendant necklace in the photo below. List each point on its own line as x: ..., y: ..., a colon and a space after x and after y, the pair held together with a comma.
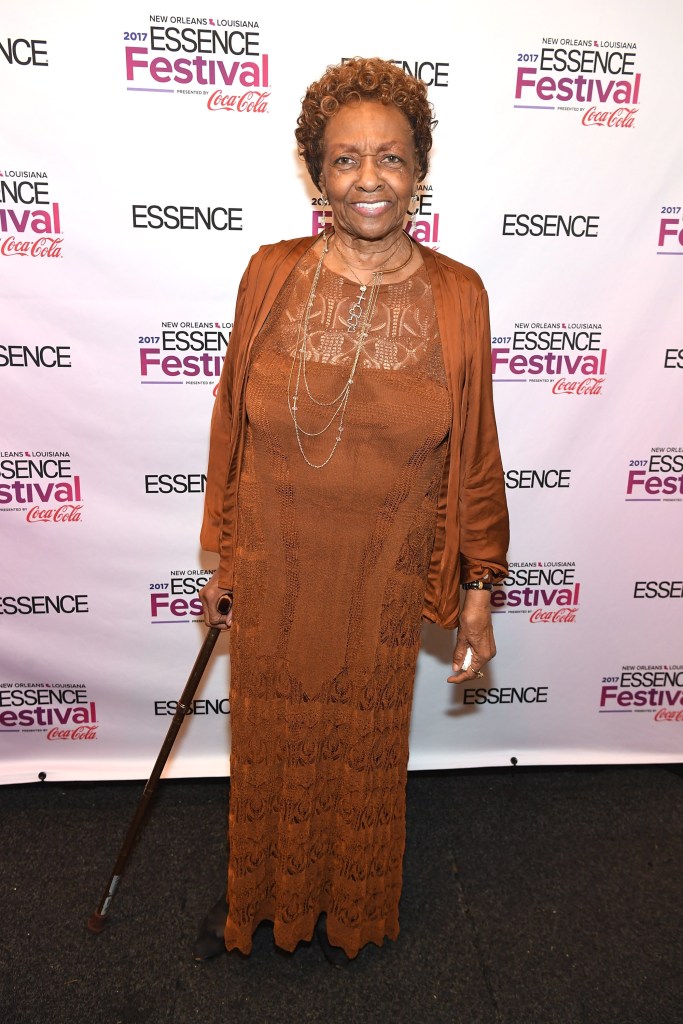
x: 356, y: 308
x: 340, y: 401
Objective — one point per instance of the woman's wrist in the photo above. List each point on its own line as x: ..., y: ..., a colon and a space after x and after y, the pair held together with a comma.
x: 478, y: 598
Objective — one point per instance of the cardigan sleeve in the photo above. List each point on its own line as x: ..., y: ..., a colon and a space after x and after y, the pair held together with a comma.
x: 484, y: 527
x: 221, y: 429
x: 265, y: 275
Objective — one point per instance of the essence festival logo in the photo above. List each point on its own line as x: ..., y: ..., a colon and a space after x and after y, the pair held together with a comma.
x: 187, y: 218
x: 44, y: 604
x: 49, y: 357
x: 598, y: 80
x: 502, y: 695
x: 25, y: 52
x: 670, y: 236
x: 29, y: 221
x: 673, y: 358
x: 59, y: 710
x: 41, y: 485
x: 424, y: 226
x: 551, y: 225
x: 184, y: 352
x: 567, y: 356
x: 538, y: 479
x: 548, y: 592
x: 659, y: 477
x: 218, y: 59
x: 175, y: 483
x: 431, y: 72
x: 645, y: 689
x: 663, y: 590
x: 219, y: 706
x: 176, y: 600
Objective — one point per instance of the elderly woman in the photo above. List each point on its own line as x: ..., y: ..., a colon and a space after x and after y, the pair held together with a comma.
x: 354, y: 486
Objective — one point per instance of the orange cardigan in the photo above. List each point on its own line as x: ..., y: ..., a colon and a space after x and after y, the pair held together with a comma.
x: 472, y: 525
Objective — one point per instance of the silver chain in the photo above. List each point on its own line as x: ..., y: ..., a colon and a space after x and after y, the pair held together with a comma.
x: 299, y: 357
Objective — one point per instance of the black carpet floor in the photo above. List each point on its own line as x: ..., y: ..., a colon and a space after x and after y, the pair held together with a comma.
x: 531, y: 896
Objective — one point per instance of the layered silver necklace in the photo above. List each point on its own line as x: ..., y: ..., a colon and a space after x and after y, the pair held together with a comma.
x: 358, y: 314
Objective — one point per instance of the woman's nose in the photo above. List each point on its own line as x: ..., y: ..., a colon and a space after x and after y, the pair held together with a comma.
x: 369, y: 178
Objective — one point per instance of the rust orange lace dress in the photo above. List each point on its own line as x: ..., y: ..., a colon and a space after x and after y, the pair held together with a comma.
x: 329, y: 581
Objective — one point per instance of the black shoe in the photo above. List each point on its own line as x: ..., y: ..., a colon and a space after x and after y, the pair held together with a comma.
x: 334, y: 955
x: 210, y: 942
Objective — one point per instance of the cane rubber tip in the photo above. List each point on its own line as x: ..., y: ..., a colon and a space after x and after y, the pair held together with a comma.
x: 96, y: 923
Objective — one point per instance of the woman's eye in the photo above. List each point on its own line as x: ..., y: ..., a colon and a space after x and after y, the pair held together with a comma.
x: 389, y: 159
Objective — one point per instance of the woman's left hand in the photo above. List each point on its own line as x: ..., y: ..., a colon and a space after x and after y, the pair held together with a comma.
x: 476, y: 631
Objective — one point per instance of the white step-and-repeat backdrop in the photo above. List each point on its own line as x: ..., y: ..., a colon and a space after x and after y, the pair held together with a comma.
x: 146, y: 152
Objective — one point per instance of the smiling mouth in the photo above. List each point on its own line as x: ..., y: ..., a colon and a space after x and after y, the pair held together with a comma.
x: 375, y: 207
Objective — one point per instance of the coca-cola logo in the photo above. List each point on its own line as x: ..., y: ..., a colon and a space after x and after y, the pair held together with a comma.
x: 559, y: 615
x: 81, y: 732
x: 587, y: 386
x: 622, y: 117
x: 44, y: 246
x: 251, y: 102
x: 668, y: 716
x: 61, y: 514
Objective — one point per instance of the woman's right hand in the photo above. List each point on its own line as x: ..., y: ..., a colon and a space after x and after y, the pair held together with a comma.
x: 210, y: 595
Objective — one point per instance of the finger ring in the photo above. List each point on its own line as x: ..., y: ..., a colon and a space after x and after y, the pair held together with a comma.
x: 479, y: 674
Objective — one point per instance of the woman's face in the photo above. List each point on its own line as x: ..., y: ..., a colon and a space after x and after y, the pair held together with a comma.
x: 369, y: 169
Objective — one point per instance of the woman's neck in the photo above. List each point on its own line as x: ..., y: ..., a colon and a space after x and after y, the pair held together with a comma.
x: 366, y: 257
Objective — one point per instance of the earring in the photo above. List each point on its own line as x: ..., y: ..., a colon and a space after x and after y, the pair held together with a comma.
x: 325, y: 217
x: 412, y: 214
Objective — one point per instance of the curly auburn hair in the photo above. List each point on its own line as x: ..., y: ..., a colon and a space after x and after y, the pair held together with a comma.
x: 358, y: 79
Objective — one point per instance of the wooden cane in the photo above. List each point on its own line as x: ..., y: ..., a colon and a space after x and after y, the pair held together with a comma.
x: 98, y: 919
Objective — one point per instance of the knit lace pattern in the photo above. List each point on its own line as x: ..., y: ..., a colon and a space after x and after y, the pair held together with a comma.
x: 330, y: 576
